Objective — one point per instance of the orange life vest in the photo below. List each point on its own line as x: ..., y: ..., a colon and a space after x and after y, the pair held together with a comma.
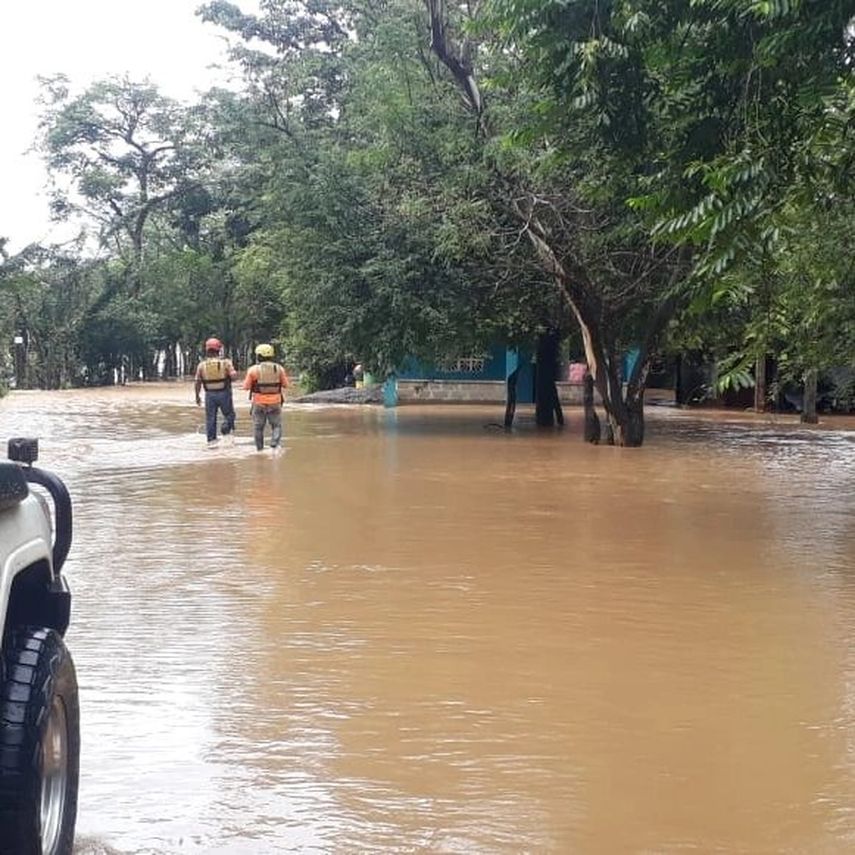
x: 268, y: 380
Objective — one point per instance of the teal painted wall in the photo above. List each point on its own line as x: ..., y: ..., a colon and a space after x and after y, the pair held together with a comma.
x: 498, y: 365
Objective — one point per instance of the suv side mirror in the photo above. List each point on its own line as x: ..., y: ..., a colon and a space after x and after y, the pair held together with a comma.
x: 22, y: 449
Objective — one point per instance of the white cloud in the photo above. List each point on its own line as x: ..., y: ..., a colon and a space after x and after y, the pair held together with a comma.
x: 87, y: 40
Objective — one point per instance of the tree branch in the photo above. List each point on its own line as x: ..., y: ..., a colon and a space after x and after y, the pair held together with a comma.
x: 453, y: 57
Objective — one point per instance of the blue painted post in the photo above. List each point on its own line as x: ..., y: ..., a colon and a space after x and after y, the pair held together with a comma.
x: 629, y: 360
x: 390, y: 391
x: 512, y: 361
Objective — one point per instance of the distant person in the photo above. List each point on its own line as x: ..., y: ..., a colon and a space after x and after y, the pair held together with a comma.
x: 266, y: 382
x: 216, y: 374
x: 358, y: 375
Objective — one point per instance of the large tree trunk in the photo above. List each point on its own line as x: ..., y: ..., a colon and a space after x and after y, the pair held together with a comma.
x: 556, y: 403
x: 634, y: 429
x: 624, y: 409
x: 592, y: 422
x: 678, y: 380
x: 760, y: 384
x: 604, y: 365
x: 511, y: 405
x: 547, y: 408
x: 809, y: 416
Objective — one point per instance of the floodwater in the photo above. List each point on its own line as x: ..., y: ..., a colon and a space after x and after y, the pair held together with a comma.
x: 414, y: 633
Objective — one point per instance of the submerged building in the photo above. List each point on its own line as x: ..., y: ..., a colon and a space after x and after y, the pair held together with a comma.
x: 480, y: 378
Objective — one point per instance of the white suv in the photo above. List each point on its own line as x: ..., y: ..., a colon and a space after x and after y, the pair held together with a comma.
x: 39, y: 709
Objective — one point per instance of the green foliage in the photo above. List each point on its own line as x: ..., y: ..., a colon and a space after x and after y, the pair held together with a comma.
x: 148, y: 173
x: 399, y: 179
x: 726, y: 127
x: 795, y: 293
x: 374, y: 220
x: 127, y: 151
x: 46, y: 295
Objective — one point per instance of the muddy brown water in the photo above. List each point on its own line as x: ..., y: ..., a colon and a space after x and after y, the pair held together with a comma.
x: 412, y: 633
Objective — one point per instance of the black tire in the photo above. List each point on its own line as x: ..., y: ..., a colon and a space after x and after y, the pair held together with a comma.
x: 38, y: 694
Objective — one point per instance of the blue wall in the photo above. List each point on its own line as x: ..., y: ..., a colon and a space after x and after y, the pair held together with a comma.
x: 498, y: 365
x: 494, y: 369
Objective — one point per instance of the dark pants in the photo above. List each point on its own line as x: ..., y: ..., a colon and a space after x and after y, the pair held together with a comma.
x: 263, y: 414
x: 219, y: 400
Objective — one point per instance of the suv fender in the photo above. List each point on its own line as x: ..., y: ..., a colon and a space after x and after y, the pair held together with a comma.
x: 30, y: 564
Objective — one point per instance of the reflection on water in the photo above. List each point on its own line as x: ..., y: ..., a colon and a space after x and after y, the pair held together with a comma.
x: 412, y: 633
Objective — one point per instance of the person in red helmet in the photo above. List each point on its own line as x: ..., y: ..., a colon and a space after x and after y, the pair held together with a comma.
x: 216, y: 373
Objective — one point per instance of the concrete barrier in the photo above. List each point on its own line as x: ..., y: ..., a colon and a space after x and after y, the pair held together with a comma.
x: 473, y: 392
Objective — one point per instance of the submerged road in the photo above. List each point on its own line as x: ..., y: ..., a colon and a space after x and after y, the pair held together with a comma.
x: 409, y: 633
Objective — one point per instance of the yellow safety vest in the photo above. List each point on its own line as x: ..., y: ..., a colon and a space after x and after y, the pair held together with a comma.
x: 215, y: 375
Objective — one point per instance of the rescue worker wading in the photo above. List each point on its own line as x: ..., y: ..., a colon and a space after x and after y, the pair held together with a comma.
x: 266, y: 380
x: 216, y: 375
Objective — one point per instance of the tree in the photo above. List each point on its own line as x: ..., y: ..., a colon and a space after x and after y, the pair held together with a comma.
x: 127, y: 151
x: 776, y: 220
x: 567, y: 183
x: 47, y: 292
x: 636, y: 174
x: 371, y: 219
x: 146, y: 168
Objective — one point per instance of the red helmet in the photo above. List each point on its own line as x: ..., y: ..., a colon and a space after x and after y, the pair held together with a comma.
x: 213, y: 344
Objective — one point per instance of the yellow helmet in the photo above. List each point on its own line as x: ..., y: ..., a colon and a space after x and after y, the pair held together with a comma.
x: 265, y: 351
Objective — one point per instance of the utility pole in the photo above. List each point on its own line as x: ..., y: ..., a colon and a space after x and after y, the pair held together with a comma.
x: 20, y: 361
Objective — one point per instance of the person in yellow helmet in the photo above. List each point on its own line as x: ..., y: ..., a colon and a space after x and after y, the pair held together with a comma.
x: 216, y: 374
x: 266, y: 382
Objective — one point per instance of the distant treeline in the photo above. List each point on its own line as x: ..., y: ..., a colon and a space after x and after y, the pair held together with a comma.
x: 422, y: 179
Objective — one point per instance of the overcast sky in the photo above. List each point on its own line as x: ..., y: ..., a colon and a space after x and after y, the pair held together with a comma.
x: 87, y: 40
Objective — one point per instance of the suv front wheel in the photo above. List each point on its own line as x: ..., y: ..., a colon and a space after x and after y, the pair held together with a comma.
x: 39, y: 745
